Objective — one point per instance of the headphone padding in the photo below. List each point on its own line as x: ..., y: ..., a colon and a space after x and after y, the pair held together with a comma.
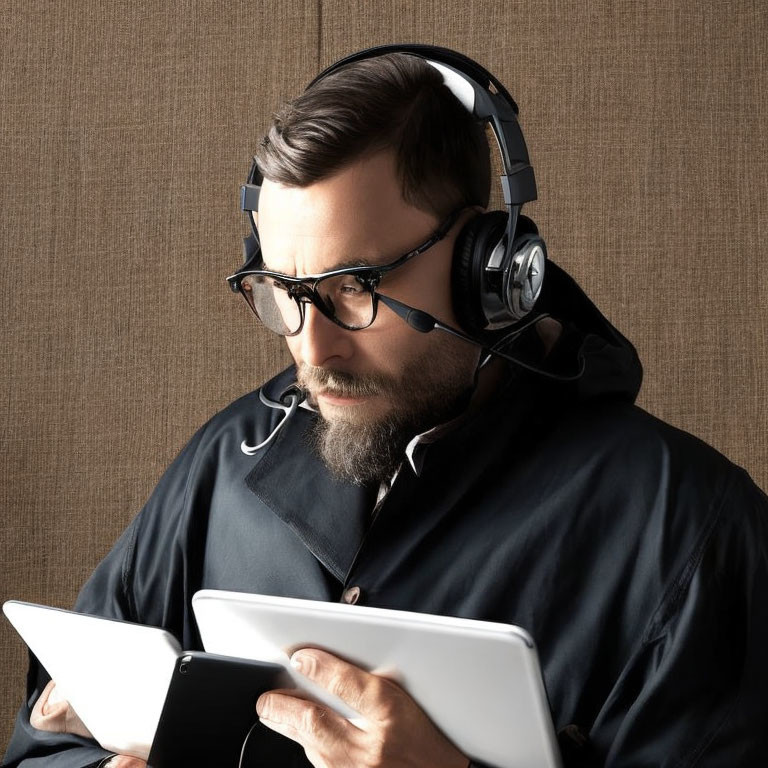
x: 472, y: 250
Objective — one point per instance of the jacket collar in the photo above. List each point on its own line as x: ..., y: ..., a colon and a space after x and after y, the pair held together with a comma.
x: 329, y: 516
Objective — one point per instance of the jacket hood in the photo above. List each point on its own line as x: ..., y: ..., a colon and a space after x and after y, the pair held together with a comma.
x: 611, y: 366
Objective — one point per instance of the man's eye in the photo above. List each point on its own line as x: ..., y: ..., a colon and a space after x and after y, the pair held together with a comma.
x: 351, y: 286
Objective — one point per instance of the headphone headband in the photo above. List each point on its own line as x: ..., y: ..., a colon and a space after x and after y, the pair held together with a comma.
x: 470, y: 68
x: 495, y: 106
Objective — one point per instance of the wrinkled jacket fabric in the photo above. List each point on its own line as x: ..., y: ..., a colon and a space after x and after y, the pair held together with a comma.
x: 633, y: 553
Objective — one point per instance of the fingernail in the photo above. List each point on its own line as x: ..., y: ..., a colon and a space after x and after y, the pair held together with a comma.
x: 260, y: 706
x: 298, y: 661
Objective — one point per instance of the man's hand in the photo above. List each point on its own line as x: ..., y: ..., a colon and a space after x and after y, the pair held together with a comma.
x: 123, y: 761
x: 52, y: 713
x: 396, y: 734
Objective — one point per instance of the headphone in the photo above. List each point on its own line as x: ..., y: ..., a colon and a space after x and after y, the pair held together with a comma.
x: 499, y: 257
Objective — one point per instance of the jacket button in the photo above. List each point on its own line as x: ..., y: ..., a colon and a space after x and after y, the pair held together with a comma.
x: 351, y: 595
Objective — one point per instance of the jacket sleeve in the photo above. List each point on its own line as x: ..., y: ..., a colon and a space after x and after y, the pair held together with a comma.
x: 695, y: 691
x: 32, y: 748
x: 114, y: 590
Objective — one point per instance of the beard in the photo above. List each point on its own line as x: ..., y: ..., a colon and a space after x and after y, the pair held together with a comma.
x: 369, y: 448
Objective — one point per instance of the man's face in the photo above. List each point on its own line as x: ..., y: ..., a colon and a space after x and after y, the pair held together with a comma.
x: 377, y: 387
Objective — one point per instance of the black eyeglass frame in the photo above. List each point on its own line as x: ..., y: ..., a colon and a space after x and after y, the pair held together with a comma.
x: 304, y: 289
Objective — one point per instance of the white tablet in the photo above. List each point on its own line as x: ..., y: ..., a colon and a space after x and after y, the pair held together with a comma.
x: 114, y: 674
x: 478, y: 681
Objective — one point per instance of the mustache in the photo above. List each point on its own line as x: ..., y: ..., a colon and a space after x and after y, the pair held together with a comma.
x: 311, y: 378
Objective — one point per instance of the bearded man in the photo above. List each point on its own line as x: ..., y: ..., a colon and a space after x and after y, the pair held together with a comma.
x: 421, y: 455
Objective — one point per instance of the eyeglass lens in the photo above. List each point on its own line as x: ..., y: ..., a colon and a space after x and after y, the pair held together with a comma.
x: 343, y: 298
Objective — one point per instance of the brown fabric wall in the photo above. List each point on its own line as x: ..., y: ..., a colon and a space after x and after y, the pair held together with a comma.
x: 126, y: 129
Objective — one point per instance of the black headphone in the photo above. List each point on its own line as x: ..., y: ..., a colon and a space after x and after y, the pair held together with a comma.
x: 499, y: 257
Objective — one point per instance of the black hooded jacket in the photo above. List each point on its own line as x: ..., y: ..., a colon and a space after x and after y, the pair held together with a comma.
x: 633, y: 553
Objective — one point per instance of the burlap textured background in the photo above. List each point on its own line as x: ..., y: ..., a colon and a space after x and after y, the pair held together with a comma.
x: 126, y: 128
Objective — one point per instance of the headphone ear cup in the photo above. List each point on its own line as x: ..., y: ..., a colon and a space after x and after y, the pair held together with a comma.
x: 529, y: 255
x: 473, y: 247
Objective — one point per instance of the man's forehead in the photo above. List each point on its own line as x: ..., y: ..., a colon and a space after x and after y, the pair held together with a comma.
x: 296, y: 252
x: 298, y: 255
x: 336, y: 223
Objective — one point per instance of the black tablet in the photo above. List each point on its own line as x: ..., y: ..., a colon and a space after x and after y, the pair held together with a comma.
x: 209, y: 718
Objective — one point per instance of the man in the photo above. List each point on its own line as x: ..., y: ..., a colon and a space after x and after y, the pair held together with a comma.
x: 422, y: 475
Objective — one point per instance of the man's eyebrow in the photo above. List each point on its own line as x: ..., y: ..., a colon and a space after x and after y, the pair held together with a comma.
x: 358, y: 262
x: 346, y: 264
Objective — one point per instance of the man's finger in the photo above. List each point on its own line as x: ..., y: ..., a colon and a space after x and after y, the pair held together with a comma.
x: 311, y: 724
x: 123, y: 761
x: 374, y: 697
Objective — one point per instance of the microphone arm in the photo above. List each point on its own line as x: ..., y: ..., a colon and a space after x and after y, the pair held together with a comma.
x: 423, y: 322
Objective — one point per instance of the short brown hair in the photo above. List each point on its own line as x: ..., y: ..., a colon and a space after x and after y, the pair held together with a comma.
x: 391, y: 102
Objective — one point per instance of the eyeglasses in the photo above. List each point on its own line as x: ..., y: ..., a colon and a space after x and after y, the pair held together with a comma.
x: 347, y: 296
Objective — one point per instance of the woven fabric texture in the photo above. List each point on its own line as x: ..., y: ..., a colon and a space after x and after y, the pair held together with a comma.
x: 127, y: 127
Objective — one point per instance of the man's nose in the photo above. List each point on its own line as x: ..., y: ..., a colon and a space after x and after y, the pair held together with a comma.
x: 322, y: 340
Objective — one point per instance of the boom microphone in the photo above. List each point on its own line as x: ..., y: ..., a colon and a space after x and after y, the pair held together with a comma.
x: 423, y: 322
